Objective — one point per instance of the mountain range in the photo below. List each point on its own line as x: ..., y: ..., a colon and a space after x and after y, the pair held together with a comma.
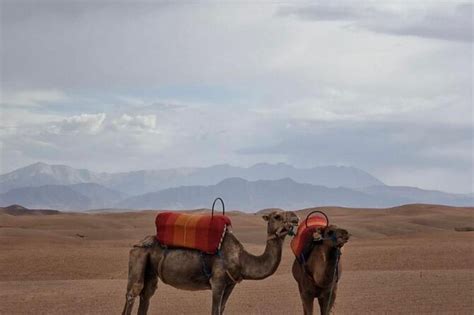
x: 140, y: 182
x: 260, y: 186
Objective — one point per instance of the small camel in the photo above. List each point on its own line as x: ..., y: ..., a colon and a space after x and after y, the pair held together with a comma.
x: 192, y: 270
x: 317, y: 277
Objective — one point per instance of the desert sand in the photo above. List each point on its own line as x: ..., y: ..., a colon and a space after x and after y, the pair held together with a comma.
x: 404, y: 260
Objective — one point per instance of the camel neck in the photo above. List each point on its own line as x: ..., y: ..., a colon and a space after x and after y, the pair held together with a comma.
x: 322, y: 263
x: 262, y: 266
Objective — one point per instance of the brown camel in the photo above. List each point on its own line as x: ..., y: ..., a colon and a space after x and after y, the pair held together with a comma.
x: 318, y: 274
x: 191, y: 270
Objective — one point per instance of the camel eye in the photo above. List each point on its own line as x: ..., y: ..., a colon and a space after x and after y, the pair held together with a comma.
x: 277, y: 217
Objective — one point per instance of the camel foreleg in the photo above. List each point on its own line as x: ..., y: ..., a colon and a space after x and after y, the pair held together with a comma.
x: 307, y: 299
x: 227, y: 291
x: 218, y: 287
x: 326, y: 301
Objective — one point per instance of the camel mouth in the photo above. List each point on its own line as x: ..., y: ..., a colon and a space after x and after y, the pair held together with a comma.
x: 294, y: 220
x: 341, y: 240
x: 290, y: 226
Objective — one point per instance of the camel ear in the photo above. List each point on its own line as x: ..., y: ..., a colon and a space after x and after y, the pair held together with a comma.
x: 266, y: 217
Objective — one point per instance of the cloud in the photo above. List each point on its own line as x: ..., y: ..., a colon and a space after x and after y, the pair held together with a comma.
x: 137, y: 122
x: 31, y: 98
x: 438, y: 20
x: 85, y: 123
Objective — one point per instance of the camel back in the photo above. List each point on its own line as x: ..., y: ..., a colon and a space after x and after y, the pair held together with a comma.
x: 304, y: 234
x: 201, y: 232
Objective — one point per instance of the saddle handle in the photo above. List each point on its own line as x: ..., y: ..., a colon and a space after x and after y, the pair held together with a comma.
x: 316, y: 211
x: 222, y: 203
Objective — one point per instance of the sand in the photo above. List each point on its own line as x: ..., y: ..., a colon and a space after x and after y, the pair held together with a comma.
x: 406, y: 260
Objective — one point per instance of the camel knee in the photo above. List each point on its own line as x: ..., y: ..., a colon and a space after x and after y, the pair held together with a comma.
x: 134, y: 290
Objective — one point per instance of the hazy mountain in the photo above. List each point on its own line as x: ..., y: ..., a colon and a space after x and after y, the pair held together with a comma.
x: 40, y: 174
x: 139, y: 182
x: 99, y: 196
x: 285, y: 193
x: 329, y: 176
x: 72, y: 197
x: 46, y: 197
x: 416, y: 195
x: 238, y: 193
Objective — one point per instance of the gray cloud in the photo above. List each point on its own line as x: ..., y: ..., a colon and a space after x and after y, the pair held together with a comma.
x: 447, y: 22
x: 118, y: 86
x: 372, y: 145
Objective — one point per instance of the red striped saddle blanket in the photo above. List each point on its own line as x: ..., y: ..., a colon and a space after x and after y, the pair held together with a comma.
x: 201, y: 232
x: 304, y: 235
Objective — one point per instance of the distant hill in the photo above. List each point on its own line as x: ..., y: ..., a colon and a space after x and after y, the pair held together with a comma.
x: 284, y: 193
x: 139, y: 182
x: 20, y: 210
x: 409, y: 195
x: 70, y: 197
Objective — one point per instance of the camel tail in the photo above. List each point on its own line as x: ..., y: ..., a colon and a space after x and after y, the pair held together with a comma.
x: 147, y: 242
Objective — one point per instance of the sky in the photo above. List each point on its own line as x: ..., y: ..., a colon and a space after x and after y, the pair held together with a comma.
x: 385, y: 86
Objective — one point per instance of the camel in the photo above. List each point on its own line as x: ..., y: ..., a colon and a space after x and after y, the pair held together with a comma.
x: 192, y: 270
x: 318, y: 275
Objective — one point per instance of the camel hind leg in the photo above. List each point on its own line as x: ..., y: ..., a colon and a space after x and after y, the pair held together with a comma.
x: 151, y: 282
x: 136, y: 273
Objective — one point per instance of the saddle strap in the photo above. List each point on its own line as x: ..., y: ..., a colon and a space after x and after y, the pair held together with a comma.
x: 160, y: 265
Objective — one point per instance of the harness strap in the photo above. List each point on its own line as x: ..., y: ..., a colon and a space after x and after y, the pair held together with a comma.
x: 335, y: 277
x: 232, y: 278
x: 160, y: 264
x: 277, y: 234
x: 205, y: 268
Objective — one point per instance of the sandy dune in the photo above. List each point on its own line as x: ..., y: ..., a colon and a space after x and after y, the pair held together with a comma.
x: 401, y: 260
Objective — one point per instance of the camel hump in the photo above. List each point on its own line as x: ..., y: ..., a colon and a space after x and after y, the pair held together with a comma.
x: 304, y: 234
x: 201, y: 232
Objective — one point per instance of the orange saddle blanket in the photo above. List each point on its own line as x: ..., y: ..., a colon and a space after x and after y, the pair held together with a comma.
x: 304, y: 234
x: 201, y: 232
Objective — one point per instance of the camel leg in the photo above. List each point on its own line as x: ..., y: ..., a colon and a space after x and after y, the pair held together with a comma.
x: 227, y: 291
x: 151, y: 282
x: 324, y: 304
x: 307, y: 298
x: 218, y: 287
x: 136, y: 271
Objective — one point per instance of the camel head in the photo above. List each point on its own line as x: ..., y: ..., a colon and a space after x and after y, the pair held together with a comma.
x: 280, y: 223
x: 331, y: 236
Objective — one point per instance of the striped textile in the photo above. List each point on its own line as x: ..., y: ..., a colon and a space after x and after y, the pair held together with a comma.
x: 304, y: 234
x: 201, y: 232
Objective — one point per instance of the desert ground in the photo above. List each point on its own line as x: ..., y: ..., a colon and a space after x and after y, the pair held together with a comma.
x: 403, y: 260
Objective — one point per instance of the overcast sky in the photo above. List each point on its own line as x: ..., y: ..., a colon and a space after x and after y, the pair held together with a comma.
x: 126, y: 85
